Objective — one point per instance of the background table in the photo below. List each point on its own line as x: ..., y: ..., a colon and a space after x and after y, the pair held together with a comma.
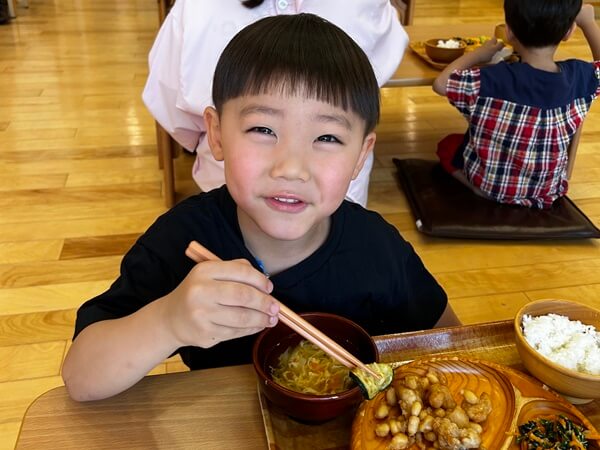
x: 219, y: 408
x: 413, y: 71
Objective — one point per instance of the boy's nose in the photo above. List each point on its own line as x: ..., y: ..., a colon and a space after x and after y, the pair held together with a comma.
x: 290, y: 163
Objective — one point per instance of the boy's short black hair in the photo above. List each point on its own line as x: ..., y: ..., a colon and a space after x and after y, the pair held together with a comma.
x: 298, y: 54
x: 540, y: 23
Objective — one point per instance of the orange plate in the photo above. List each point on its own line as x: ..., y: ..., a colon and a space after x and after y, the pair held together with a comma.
x: 516, y: 399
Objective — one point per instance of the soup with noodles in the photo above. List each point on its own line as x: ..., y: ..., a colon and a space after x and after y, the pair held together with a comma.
x: 307, y: 369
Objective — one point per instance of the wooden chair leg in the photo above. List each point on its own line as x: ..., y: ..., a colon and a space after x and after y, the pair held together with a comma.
x: 169, y: 176
x: 164, y: 145
x: 405, y: 10
x: 159, y: 143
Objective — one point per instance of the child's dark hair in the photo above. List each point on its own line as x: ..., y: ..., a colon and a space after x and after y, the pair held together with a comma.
x: 298, y: 54
x: 540, y: 23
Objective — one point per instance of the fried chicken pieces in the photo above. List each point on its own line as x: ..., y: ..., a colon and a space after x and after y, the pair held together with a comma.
x: 421, y: 410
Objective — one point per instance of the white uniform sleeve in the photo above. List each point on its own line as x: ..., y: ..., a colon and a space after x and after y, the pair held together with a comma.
x: 162, y: 92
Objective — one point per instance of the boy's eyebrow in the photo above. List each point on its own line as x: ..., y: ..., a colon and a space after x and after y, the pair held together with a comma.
x: 323, y: 118
x: 261, y: 109
x: 336, y: 118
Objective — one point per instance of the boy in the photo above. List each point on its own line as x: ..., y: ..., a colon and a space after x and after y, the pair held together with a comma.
x: 296, y: 103
x: 522, y: 116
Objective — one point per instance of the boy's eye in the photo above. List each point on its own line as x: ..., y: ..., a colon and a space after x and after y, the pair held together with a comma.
x: 329, y: 138
x: 262, y: 130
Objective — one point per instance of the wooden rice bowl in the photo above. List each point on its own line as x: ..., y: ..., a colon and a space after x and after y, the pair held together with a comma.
x: 516, y: 399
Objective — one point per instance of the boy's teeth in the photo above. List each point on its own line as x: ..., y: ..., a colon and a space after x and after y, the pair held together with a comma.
x: 286, y: 200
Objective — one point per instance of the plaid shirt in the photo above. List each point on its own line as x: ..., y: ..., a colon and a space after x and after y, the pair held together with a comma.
x: 521, y: 121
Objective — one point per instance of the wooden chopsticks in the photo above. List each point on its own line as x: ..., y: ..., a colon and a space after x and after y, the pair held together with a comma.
x: 198, y: 253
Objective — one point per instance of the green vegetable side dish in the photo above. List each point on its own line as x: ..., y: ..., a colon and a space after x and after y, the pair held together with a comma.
x: 560, y: 434
x: 368, y: 384
x: 477, y: 40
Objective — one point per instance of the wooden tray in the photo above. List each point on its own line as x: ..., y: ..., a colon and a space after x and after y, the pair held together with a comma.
x: 493, y: 342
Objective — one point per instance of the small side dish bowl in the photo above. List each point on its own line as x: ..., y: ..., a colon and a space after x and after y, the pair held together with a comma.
x: 443, y: 54
x: 272, y: 342
x: 577, y: 387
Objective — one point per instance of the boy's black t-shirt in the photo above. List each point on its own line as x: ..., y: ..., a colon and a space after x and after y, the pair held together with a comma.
x: 364, y: 271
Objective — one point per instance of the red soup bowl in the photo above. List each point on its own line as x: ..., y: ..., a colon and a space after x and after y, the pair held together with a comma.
x: 272, y: 342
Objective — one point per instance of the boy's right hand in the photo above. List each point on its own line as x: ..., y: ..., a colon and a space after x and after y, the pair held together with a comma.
x: 487, y: 51
x: 218, y: 301
x: 586, y: 16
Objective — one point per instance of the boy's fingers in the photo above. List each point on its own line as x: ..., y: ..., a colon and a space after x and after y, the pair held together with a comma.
x: 240, y: 271
x: 242, y: 319
x: 232, y: 294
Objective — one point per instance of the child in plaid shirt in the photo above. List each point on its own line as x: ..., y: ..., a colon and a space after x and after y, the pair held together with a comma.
x: 522, y: 115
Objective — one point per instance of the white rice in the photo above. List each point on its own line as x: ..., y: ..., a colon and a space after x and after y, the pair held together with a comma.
x: 450, y: 43
x: 569, y: 343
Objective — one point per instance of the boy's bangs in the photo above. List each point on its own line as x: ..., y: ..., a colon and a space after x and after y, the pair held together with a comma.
x: 301, y: 85
x: 298, y: 55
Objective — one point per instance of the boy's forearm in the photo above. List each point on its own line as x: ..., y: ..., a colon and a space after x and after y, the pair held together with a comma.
x: 466, y: 61
x: 108, y: 357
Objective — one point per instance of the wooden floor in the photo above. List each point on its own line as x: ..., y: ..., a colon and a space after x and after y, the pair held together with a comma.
x: 79, y: 182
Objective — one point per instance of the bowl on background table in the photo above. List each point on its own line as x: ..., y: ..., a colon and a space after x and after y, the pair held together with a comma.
x: 443, y: 54
x: 272, y: 342
x: 577, y: 387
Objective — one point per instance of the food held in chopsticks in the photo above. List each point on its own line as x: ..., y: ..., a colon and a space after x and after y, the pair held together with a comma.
x: 557, y: 432
x: 368, y: 384
x: 307, y: 369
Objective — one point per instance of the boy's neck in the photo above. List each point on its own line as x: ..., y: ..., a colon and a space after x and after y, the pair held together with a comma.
x: 277, y: 255
x: 540, y: 58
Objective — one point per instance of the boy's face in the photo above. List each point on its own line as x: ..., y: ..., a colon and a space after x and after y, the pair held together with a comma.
x: 288, y: 160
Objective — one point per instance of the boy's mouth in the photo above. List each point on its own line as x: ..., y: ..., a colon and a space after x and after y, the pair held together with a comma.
x: 286, y: 204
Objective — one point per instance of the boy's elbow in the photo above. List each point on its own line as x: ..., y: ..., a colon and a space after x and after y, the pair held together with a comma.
x: 73, y: 388
x: 74, y: 394
x: 79, y: 392
x: 76, y: 385
x: 439, y: 87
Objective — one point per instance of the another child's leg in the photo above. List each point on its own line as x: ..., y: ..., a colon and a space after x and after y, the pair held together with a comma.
x: 460, y: 176
x: 452, y: 162
x: 447, y: 152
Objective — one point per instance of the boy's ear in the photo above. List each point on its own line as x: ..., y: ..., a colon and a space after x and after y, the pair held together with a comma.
x: 510, y: 37
x: 213, y: 132
x: 570, y: 32
x: 367, y: 147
